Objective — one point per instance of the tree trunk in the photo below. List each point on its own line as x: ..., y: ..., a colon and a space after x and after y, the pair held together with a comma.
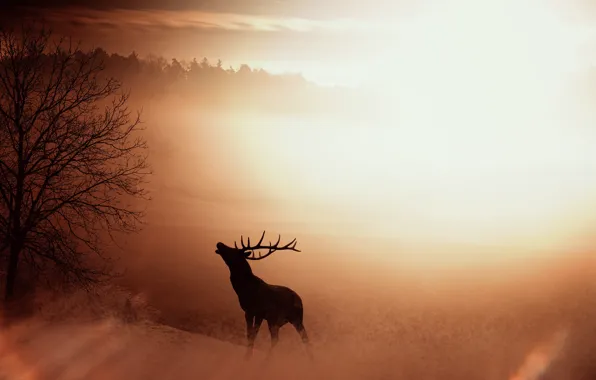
x: 11, y: 272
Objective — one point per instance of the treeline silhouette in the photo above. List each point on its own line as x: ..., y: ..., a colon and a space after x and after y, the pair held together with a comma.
x: 212, y: 84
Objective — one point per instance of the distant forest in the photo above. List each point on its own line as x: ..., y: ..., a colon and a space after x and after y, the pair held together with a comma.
x: 212, y: 84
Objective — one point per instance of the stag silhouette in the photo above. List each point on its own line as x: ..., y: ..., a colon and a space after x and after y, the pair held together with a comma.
x: 260, y: 301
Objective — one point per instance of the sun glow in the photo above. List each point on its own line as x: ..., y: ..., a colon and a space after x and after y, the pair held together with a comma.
x: 474, y: 142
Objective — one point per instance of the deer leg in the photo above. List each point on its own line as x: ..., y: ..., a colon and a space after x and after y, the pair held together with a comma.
x: 249, y: 334
x: 255, y: 328
x: 274, y: 331
x: 302, y: 331
x: 252, y: 329
x: 304, y: 336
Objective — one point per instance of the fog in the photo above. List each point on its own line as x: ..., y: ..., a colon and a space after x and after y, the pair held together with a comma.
x: 375, y: 307
x: 420, y: 259
x: 378, y: 320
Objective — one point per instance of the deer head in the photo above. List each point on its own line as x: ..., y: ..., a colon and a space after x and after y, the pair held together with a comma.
x: 247, y: 252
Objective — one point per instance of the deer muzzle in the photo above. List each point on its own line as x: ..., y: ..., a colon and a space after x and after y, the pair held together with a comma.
x: 221, y: 247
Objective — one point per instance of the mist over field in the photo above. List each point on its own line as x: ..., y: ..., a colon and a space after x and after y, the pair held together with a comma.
x: 440, y: 184
x: 373, y: 306
x: 364, y: 320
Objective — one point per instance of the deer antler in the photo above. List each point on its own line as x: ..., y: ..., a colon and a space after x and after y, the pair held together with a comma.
x: 291, y: 246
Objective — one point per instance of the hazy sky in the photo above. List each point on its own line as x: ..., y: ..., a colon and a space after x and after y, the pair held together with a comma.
x: 479, y: 137
x: 311, y: 9
x: 280, y: 35
x: 332, y: 41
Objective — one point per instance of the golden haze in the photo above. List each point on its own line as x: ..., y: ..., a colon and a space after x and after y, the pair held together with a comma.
x: 444, y: 216
x: 474, y: 141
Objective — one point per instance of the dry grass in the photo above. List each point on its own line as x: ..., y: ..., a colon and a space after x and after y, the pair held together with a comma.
x: 108, y: 301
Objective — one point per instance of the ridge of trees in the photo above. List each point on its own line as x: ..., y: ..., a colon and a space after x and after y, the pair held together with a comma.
x: 208, y: 84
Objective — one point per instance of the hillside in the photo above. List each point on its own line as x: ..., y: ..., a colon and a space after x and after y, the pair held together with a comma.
x: 111, y: 350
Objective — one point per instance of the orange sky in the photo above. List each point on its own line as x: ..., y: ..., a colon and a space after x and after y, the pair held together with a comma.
x: 331, y: 43
x: 479, y: 138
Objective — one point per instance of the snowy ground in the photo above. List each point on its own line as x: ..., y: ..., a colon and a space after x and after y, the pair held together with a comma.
x: 110, y: 350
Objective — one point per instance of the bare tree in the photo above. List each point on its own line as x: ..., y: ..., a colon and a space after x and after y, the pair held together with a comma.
x: 72, y: 163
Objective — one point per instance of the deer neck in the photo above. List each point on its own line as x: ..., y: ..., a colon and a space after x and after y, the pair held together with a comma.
x: 245, y: 284
x: 241, y: 271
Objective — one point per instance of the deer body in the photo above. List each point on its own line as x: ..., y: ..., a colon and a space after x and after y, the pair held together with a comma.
x: 259, y: 300
x: 272, y: 303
